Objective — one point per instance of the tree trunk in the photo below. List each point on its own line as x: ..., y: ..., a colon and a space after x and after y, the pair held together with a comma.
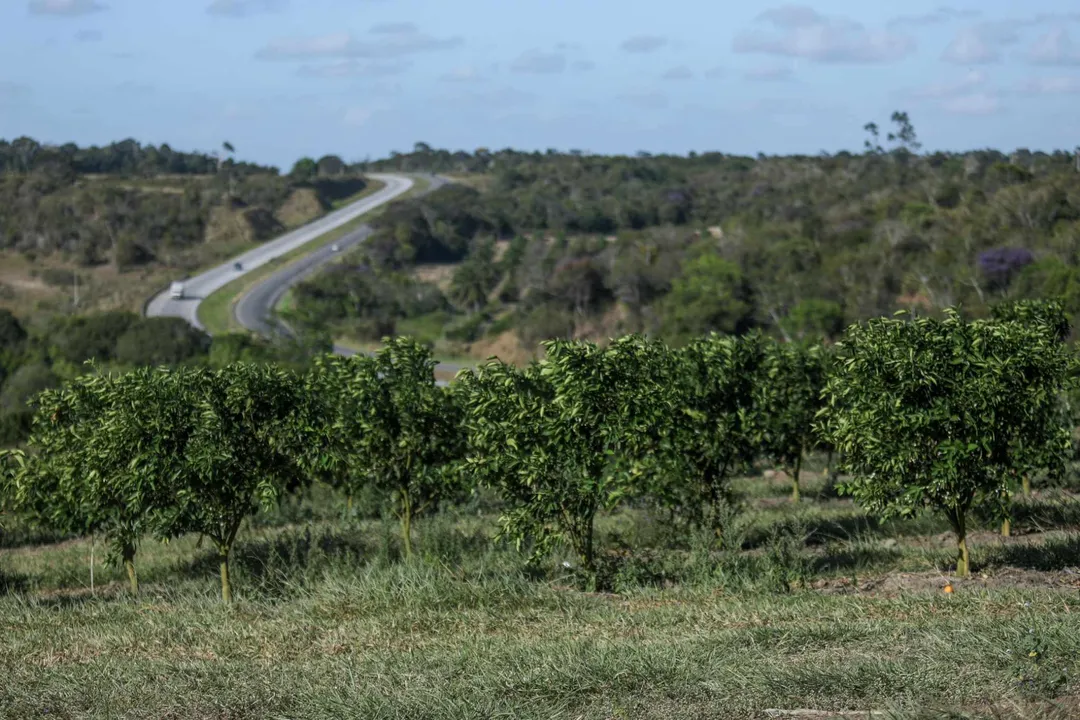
x: 1026, y: 483
x: 1006, y: 527
x: 128, y: 554
x: 348, y: 504
x: 226, y: 585
x: 795, y: 479
x: 92, y: 538
x: 959, y: 523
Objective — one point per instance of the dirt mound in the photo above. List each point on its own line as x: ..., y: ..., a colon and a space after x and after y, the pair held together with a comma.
x: 302, y: 206
x: 242, y: 224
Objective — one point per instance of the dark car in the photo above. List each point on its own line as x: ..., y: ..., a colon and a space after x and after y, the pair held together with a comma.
x: 237, y: 266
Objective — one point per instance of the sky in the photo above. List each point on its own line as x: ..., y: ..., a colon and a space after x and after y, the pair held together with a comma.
x: 282, y: 79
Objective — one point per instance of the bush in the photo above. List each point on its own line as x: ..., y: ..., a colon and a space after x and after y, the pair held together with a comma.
x: 161, y: 341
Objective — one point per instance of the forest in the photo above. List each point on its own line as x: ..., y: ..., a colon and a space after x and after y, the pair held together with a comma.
x: 575, y: 245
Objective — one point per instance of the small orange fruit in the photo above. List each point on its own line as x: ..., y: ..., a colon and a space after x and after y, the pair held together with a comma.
x: 948, y: 588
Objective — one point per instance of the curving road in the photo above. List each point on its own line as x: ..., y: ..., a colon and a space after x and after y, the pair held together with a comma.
x: 255, y: 308
x: 199, y: 287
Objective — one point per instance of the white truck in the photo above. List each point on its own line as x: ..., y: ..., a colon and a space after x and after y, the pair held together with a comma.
x: 176, y: 291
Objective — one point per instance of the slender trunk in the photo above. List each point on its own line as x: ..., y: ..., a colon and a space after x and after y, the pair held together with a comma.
x: 1026, y: 483
x: 348, y: 504
x: 959, y: 524
x: 226, y: 585
x: 795, y: 479
x: 406, y: 523
x: 828, y: 464
x: 128, y: 554
x: 92, y: 564
x: 1006, y: 527
x: 198, y: 543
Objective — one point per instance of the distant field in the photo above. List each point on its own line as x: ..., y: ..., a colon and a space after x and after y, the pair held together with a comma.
x: 332, y: 623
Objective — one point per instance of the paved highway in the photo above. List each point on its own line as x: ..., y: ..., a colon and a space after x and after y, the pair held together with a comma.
x: 199, y: 287
x: 254, y: 309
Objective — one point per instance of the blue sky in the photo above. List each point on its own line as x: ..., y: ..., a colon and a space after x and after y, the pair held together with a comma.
x: 359, y: 78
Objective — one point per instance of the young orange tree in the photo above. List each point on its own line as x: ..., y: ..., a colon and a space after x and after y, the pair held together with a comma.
x: 570, y: 436
x: 941, y: 413
x: 791, y: 383
x: 391, y: 427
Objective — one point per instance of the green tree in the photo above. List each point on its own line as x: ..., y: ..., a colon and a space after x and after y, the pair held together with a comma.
x: 942, y: 412
x: 1050, y: 316
x: 83, y: 474
x: 161, y: 341
x: 570, y: 436
x: 392, y: 428
x: 250, y: 443
x: 717, y: 433
x: 791, y: 384
x: 710, y: 295
x: 475, y: 277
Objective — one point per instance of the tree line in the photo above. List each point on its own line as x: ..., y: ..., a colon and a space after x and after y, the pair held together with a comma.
x: 556, y: 244
x: 943, y: 413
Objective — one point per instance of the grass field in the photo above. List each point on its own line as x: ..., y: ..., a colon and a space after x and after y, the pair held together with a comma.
x: 815, y: 607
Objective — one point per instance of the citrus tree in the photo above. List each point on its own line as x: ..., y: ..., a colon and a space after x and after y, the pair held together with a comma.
x: 1051, y: 317
x: 715, y: 432
x: 390, y: 426
x: 792, y: 379
x: 80, y: 475
x: 570, y: 436
x: 941, y: 413
x: 248, y: 442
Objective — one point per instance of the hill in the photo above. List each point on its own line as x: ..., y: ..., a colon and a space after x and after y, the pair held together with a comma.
x: 125, y: 219
x: 536, y: 245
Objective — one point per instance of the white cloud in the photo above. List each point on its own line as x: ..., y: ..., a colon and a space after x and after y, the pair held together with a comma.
x: 942, y: 15
x: 772, y: 72
x: 357, y: 116
x: 646, y: 100
x: 1059, y: 85
x: 1055, y: 48
x: 343, y: 44
x: 643, y: 43
x: 353, y: 68
x: 64, y: 7
x: 801, y: 31
x: 244, y: 8
x: 464, y: 74
x: 976, y: 103
x: 680, y: 72
x: 539, y: 62
x: 980, y: 44
x: 394, y: 28
x: 951, y: 88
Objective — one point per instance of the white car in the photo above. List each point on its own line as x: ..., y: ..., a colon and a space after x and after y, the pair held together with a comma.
x: 176, y: 291
x: 335, y: 247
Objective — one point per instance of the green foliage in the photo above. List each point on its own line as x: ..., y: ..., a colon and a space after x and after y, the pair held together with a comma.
x: 710, y: 295
x: 245, y: 447
x: 83, y: 474
x: 717, y: 433
x: 943, y: 412
x: 392, y: 428
x: 791, y: 384
x: 161, y: 341
x: 26, y: 382
x: 570, y: 436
